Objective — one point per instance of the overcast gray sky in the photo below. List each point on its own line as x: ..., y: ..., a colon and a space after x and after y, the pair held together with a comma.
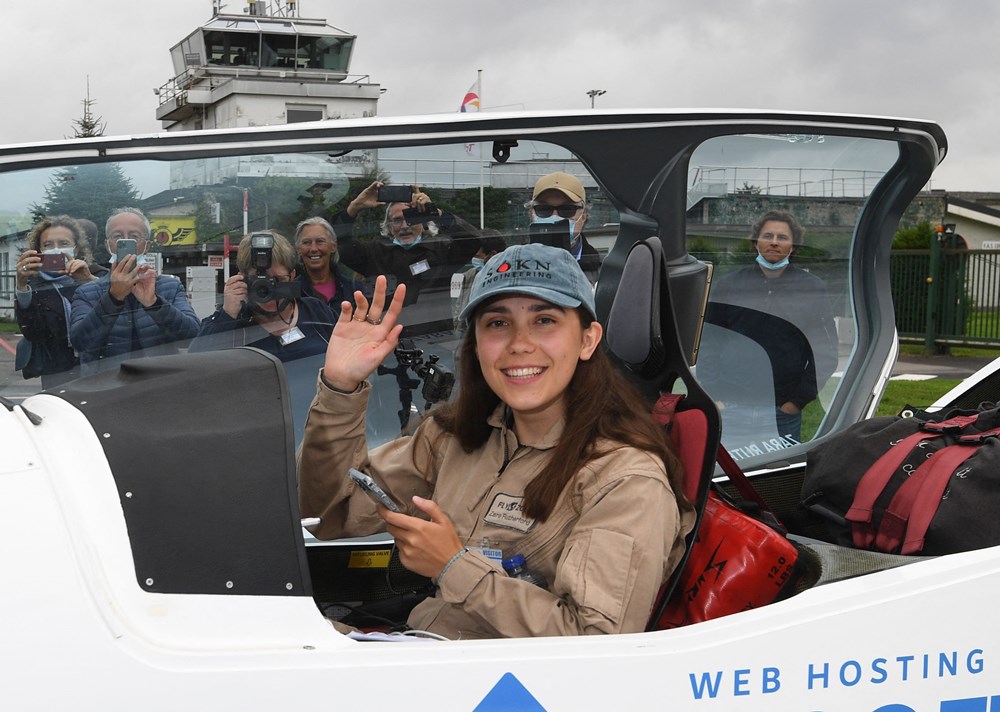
x: 911, y: 58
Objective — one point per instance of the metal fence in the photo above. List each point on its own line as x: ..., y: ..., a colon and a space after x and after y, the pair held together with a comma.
x: 948, y: 299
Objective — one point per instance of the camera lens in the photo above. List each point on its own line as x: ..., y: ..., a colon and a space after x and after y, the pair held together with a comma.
x: 261, y: 290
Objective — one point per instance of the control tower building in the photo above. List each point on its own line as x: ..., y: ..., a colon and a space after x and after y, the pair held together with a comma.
x: 262, y: 67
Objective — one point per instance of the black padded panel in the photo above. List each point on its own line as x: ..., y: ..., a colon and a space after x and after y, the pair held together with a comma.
x: 203, y: 456
x: 633, y: 323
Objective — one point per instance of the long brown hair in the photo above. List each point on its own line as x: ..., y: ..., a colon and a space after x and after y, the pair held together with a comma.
x: 601, y: 407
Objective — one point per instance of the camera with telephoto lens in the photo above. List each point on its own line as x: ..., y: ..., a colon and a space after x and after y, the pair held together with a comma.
x: 262, y: 289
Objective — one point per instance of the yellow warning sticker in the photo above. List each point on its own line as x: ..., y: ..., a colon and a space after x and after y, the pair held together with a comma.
x: 369, y: 559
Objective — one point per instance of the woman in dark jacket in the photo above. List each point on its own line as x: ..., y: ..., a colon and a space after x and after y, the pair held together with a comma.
x: 321, y: 275
x: 262, y: 307
x: 43, y: 294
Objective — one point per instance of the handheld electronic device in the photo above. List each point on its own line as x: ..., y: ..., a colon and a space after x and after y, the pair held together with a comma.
x: 124, y: 246
x: 415, y: 215
x: 372, y: 489
x: 552, y: 234
x: 53, y: 262
x: 395, y: 194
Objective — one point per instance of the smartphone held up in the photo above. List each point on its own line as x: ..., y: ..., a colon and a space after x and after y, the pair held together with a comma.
x: 124, y: 247
x: 395, y: 194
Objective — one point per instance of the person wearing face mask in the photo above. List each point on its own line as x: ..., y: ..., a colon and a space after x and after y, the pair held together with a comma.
x: 131, y: 310
x: 786, y: 312
x: 491, y: 243
x: 559, y: 212
x: 421, y: 246
x: 262, y: 306
x: 43, y: 293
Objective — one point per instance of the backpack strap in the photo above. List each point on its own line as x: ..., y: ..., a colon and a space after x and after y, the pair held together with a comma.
x: 906, y: 521
x: 876, y: 478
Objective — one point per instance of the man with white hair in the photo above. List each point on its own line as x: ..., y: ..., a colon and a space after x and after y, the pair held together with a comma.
x: 421, y: 245
x: 130, y: 309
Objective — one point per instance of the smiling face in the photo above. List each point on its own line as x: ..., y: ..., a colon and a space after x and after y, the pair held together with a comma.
x: 315, y: 248
x: 399, y: 228
x: 774, y: 242
x: 528, y: 351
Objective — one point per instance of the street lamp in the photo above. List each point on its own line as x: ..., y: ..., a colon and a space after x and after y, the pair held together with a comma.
x: 593, y: 94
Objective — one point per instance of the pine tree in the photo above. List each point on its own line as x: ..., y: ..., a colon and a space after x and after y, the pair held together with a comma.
x: 88, y: 125
x: 90, y: 191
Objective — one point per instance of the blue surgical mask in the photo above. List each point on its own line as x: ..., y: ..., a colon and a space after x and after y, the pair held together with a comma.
x: 413, y: 244
x: 70, y: 252
x: 478, y: 263
x: 773, y: 266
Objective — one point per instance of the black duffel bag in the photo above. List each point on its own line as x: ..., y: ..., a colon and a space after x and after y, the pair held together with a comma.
x: 928, y: 483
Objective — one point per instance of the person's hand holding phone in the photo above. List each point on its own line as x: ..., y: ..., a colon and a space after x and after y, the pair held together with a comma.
x: 144, y: 286
x: 425, y: 547
x: 367, y: 198
x: 421, y: 201
x: 123, y: 276
x: 79, y: 270
x: 28, y: 265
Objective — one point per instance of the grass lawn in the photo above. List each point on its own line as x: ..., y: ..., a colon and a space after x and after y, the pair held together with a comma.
x: 898, y: 395
x: 9, y: 327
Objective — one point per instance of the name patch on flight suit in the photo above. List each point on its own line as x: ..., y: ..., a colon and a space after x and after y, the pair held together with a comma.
x: 507, y: 511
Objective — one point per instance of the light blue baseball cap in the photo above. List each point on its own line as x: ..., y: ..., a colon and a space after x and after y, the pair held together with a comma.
x: 534, y: 270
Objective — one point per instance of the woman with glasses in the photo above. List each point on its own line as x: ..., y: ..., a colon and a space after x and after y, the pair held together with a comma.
x: 421, y: 245
x: 559, y: 212
x: 262, y: 305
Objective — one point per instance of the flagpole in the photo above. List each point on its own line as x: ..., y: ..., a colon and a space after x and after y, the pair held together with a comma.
x: 482, y: 208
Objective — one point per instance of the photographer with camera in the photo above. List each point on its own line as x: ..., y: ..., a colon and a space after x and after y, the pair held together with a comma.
x: 130, y: 310
x: 420, y: 246
x: 263, y: 305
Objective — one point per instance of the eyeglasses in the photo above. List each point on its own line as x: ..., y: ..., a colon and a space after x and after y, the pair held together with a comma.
x: 397, y: 222
x: 567, y: 211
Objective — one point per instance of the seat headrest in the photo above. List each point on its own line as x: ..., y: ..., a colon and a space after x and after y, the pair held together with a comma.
x: 634, y: 330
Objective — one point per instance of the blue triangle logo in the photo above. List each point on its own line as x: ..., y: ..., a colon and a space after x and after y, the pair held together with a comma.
x: 509, y: 694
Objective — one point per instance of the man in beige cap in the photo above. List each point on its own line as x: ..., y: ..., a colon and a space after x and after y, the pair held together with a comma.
x: 560, y: 200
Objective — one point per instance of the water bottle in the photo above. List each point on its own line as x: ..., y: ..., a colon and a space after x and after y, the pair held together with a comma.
x: 516, y: 568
